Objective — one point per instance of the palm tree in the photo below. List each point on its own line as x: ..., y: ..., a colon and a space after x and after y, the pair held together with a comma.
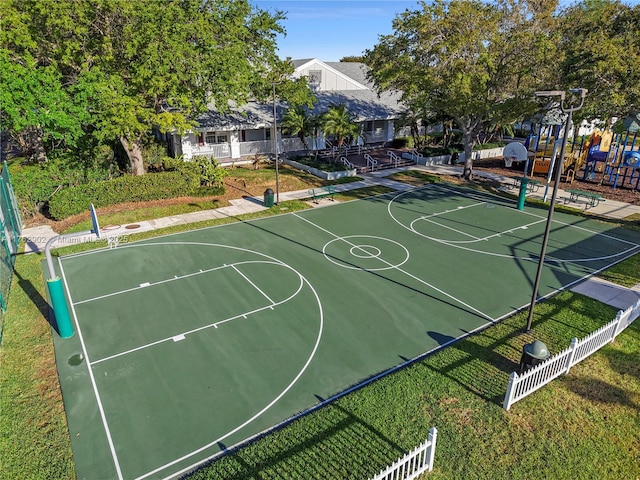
x: 338, y: 123
x: 298, y: 122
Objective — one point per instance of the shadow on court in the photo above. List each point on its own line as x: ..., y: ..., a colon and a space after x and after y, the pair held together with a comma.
x: 353, y: 265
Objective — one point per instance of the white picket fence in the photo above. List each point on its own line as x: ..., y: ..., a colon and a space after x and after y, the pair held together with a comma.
x: 414, y: 463
x: 522, y: 385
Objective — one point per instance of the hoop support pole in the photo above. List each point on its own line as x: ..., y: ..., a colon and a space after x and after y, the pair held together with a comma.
x: 56, y: 292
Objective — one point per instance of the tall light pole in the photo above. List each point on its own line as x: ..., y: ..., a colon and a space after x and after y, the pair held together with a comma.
x: 275, y: 142
x: 569, y: 111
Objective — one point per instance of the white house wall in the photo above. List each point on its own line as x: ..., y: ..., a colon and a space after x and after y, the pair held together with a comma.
x: 331, y: 80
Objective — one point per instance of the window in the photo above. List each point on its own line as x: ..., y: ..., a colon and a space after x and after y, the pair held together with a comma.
x: 315, y: 79
x: 213, y: 138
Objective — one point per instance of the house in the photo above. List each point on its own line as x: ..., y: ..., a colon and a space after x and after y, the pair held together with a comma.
x: 250, y: 130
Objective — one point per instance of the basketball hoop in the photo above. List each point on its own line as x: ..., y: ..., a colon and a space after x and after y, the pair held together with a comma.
x: 508, y: 161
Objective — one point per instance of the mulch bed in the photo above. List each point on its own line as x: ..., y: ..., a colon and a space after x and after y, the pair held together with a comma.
x: 621, y: 193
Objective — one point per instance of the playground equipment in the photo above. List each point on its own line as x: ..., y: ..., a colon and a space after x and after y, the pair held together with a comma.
x: 613, y: 157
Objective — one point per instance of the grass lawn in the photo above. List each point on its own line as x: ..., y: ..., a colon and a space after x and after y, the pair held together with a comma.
x: 582, y: 425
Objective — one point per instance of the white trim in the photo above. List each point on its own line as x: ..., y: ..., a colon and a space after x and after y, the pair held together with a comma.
x: 296, y: 73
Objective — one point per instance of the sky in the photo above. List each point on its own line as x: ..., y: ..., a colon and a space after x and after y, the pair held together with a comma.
x: 332, y: 29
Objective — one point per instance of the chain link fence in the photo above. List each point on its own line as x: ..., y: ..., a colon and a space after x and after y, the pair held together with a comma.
x: 10, y: 232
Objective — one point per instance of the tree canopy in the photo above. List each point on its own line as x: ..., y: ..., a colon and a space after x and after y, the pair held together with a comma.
x: 472, y: 61
x: 601, y: 52
x: 131, y: 66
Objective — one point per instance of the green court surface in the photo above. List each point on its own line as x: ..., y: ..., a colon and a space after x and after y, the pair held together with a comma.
x: 192, y: 343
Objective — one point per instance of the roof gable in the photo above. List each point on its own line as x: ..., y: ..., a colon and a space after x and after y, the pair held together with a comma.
x: 331, y: 79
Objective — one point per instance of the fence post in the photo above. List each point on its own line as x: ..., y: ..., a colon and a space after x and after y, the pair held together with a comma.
x: 574, y: 344
x: 507, y: 397
x: 618, y: 319
x: 433, y: 436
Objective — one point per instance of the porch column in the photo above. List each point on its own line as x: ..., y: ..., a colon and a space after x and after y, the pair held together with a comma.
x: 234, y: 144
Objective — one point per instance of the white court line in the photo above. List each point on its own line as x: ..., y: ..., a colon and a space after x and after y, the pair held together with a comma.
x: 402, y: 271
x: 526, y: 212
x: 549, y: 258
x: 457, y: 209
x: 459, y: 232
x: 160, y: 282
x: 210, y: 325
x: 253, y: 284
x: 258, y: 414
x: 103, y: 416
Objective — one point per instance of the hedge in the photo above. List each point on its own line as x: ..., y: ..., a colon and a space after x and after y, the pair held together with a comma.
x: 152, y: 186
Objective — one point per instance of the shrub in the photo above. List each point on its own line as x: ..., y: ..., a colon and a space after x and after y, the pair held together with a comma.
x: 35, y: 184
x: 152, y: 186
x: 402, y: 142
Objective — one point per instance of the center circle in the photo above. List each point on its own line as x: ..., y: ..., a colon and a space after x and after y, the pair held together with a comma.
x: 366, y: 252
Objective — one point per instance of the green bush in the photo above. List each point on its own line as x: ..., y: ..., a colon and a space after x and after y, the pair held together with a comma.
x: 34, y: 184
x: 402, y: 142
x: 152, y: 186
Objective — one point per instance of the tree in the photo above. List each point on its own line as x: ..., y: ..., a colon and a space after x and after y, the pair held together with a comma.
x: 297, y: 121
x: 35, y: 107
x: 601, y: 46
x: 352, y: 58
x: 339, y: 123
x: 468, y: 60
x: 148, y: 63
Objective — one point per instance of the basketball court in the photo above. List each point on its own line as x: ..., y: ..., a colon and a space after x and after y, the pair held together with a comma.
x: 188, y: 344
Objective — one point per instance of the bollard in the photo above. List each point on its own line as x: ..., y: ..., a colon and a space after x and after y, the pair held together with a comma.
x: 524, y: 181
x: 59, y: 305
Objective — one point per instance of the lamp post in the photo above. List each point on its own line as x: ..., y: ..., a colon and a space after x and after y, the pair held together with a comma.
x: 569, y: 111
x: 275, y: 143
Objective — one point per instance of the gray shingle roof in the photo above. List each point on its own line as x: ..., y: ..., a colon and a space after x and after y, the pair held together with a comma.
x: 363, y: 104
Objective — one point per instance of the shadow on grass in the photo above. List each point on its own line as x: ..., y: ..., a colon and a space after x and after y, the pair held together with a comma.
x: 38, y: 300
x: 482, y: 362
x: 339, y: 433
x: 597, y: 391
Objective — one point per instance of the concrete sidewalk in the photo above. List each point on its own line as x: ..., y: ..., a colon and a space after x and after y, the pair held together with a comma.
x: 36, y: 238
x: 619, y: 297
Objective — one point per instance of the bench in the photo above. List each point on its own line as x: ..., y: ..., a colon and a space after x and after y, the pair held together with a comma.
x: 532, y: 184
x: 592, y: 199
x: 322, y: 192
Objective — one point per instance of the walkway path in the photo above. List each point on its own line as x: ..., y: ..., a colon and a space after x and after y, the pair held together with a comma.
x: 606, y: 292
x: 37, y: 237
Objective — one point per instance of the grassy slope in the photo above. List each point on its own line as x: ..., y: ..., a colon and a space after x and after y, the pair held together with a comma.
x: 583, y: 425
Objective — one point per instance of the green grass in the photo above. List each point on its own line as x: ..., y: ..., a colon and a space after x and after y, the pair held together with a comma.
x: 582, y: 425
x: 141, y: 214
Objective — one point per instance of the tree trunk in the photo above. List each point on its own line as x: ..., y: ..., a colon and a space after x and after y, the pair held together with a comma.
x: 304, y: 142
x: 467, y: 141
x: 134, y: 152
x: 31, y: 144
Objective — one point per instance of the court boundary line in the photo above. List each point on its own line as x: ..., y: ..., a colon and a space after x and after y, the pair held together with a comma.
x: 272, y: 260
x: 105, y: 423
x: 549, y: 259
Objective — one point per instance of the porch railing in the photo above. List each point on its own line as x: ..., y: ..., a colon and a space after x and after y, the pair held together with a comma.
x: 216, y: 150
